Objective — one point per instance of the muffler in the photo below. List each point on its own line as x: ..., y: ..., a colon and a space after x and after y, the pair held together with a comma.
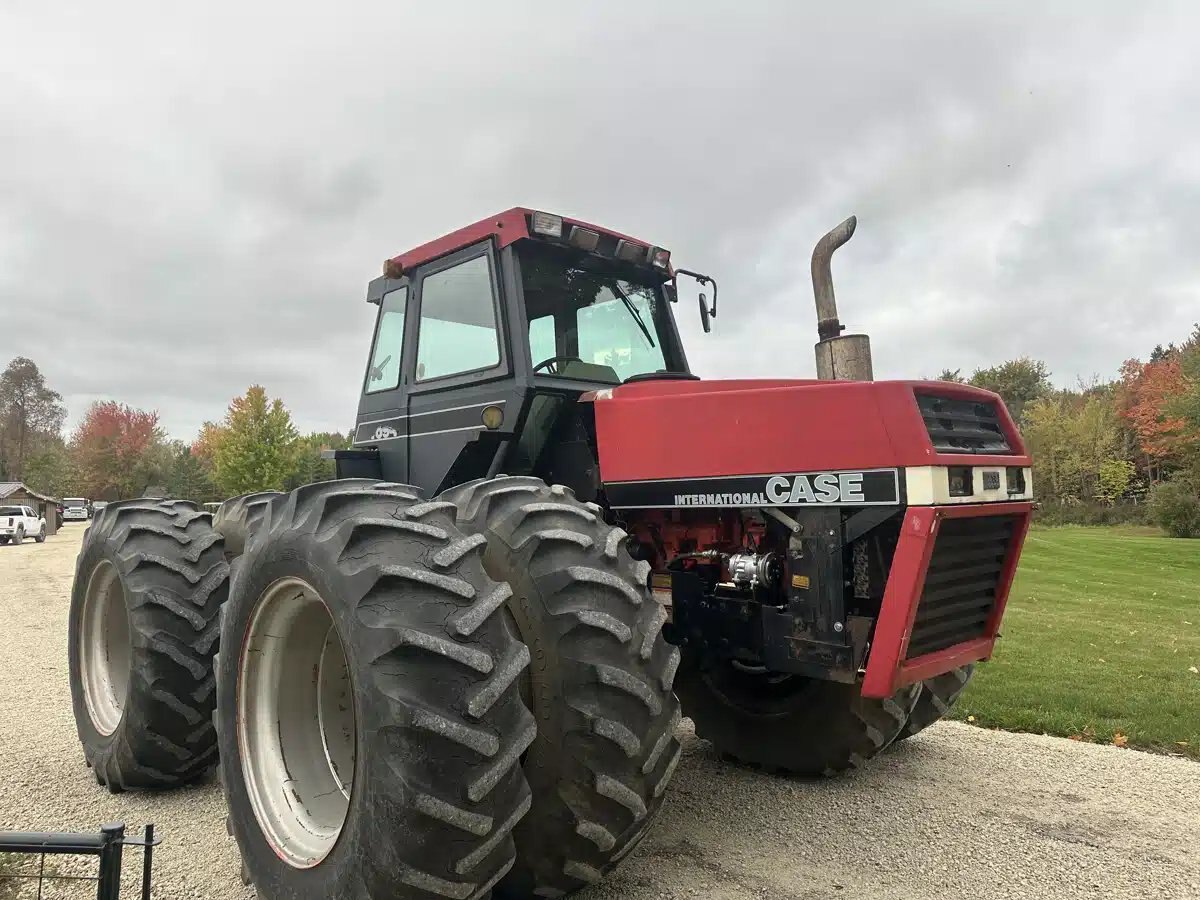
x: 840, y: 357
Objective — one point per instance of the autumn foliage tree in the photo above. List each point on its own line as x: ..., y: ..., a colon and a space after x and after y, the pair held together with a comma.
x: 117, y: 451
x: 255, y: 447
x: 1148, y: 392
x: 204, y: 448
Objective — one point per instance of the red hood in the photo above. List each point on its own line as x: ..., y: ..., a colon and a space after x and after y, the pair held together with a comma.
x: 695, y: 429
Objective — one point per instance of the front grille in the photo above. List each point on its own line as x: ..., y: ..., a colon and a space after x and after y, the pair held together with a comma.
x: 962, y: 426
x: 960, y: 586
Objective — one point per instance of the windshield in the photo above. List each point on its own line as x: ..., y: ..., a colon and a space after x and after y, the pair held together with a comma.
x: 74, y: 501
x: 600, y: 327
x: 11, y: 511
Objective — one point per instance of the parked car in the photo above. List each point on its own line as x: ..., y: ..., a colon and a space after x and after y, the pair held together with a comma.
x: 76, y: 509
x: 20, y: 522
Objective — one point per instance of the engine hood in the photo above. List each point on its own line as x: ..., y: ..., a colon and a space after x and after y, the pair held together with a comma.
x: 658, y: 430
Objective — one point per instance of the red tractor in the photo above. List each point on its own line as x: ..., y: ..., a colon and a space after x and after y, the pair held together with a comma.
x: 437, y: 680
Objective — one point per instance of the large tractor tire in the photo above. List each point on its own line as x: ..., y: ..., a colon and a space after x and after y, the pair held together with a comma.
x: 237, y: 517
x: 369, y: 718
x: 937, y: 696
x: 143, y: 629
x: 599, y: 684
x: 788, y: 723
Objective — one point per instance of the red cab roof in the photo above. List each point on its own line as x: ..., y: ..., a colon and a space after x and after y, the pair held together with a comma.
x: 506, y: 227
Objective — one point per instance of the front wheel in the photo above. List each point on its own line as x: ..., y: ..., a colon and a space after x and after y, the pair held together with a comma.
x: 41, y: 537
x: 368, y: 714
x: 789, y: 723
x: 937, y: 696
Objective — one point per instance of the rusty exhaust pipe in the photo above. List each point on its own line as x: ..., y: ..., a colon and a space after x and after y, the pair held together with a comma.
x: 840, y: 357
x: 828, y: 325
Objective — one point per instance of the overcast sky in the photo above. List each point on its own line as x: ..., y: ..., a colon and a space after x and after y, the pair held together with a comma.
x: 193, y: 200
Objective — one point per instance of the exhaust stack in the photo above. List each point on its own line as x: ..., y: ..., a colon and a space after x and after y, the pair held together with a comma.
x: 840, y: 357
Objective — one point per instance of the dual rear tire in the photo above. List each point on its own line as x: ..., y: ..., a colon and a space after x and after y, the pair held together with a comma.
x: 368, y: 693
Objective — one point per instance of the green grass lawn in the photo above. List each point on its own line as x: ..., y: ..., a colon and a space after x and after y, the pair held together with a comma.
x: 1101, y: 637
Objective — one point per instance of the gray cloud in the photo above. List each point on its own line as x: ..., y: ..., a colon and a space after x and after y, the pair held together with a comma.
x: 194, y: 201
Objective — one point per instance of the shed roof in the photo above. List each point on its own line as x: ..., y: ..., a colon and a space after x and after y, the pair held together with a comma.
x: 8, y: 488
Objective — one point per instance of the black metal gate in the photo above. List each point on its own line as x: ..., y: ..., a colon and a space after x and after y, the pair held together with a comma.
x: 107, y: 846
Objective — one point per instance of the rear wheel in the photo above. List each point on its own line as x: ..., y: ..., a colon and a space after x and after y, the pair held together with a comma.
x: 20, y: 536
x: 368, y: 668
x: 789, y: 723
x: 599, y: 685
x: 143, y: 629
x: 937, y: 696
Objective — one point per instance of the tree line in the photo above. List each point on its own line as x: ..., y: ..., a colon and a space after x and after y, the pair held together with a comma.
x: 1111, y: 450
x: 118, y: 451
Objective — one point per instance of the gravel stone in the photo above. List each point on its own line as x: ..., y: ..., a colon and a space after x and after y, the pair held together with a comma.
x: 955, y: 812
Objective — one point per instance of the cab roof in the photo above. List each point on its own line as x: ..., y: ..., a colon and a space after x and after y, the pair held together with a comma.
x: 506, y: 227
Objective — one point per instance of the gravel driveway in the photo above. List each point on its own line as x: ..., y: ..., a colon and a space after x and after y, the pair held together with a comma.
x: 957, y: 812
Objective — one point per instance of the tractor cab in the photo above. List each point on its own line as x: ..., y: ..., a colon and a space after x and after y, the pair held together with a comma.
x: 486, y: 337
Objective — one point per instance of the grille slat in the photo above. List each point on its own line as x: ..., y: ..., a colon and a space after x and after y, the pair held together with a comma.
x: 964, y: 542
x: 961, y: 608
x: 951, y: 591
x: 992, y: 567
x: 962, y: 426
x: 960, y: 584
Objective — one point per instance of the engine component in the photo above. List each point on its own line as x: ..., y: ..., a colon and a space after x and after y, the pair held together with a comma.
x: 754, y: 569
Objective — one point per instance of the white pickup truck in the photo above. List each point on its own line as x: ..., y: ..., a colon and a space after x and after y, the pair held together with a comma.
x: 20, y: 522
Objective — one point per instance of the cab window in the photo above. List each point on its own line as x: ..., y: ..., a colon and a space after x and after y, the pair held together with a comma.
x: 384, y: 373
x: 458, y: 331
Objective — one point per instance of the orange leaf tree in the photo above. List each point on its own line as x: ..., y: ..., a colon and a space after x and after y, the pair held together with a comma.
x: 1148, y: 391
x: 118, y: 451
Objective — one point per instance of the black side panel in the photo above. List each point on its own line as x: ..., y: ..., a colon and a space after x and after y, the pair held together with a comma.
x: 355, y: 463
x: 446, y: 433
x: 572, y: 459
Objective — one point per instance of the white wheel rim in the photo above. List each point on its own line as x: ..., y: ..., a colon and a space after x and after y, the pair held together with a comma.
x: 296, y: 722
x: 105, y: 648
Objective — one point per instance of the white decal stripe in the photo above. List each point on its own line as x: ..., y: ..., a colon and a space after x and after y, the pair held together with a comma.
x: 432, y: 412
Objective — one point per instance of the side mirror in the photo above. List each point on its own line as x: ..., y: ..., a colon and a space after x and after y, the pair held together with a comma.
x: 707, y: 314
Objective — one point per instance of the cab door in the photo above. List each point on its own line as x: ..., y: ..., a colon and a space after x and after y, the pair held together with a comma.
x: 459, y: 367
